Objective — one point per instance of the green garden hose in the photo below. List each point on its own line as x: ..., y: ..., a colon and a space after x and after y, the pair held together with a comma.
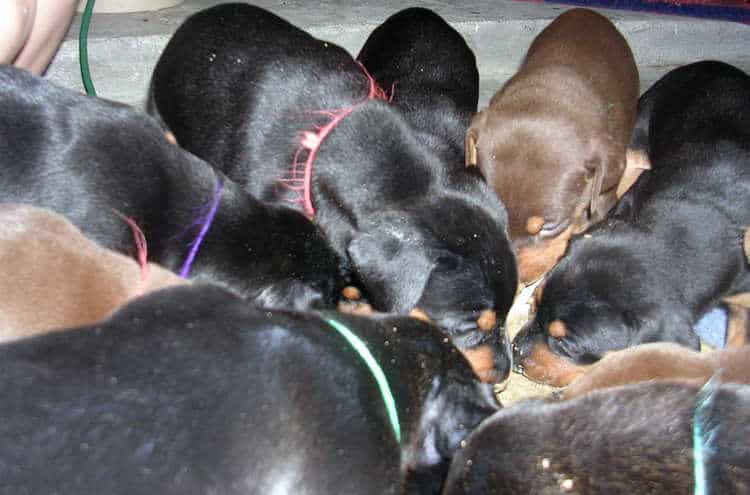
x: 83, y: 54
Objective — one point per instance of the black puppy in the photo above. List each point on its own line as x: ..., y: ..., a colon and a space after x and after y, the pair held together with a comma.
x: 95, y: 161
x: 193, y: 391
x: 633, y: 439
x: 296, y: 120
x: 671, y: 248
x: 432, y: 76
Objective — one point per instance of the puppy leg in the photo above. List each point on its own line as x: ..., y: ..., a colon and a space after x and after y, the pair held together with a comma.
x: 738, y: 328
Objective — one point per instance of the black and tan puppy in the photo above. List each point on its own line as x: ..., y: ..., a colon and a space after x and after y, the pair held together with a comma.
x: 671, y: 248
x: 552, y: 141
x: 52, y: 276
x: 431, y: 74
x: 96, y: 162
x: 297, y: 120
x: 634, y: 439
x: 191, y: 390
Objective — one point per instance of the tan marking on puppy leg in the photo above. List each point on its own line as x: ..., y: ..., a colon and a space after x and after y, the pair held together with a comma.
x: 742, y: 299
x: 487, y: 320
x: 534, y: 224
x: 419, y: 315
x: 737, y: 327
x: 543, y: 366
x: 482, y: 362
x: 351, y: 293
x: 636, y: 161
x: 170, y: 137
x: 557, y: 329
x: 355, y: 308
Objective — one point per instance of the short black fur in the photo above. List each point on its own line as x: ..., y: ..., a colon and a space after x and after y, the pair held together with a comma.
x: 237, y: 85
x: 89, y: 159
x: 192, y: 391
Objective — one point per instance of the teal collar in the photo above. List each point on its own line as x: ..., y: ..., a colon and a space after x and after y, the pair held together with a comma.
x: 375, y: 369
x: 704, y: 434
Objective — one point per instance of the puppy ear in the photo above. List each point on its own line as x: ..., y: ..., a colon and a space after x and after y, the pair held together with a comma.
x: 604, y: 169
x: 472, y: 138
x: 636, y: 162
x: 454, y: 406
x: 392, y: 265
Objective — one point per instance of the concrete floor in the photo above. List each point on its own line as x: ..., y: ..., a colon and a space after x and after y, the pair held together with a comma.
x: 123, y: 48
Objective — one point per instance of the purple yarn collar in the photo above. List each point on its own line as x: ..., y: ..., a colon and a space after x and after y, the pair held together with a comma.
x: 205, y: 225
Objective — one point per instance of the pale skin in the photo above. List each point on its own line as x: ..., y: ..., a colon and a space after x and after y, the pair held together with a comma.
x: 31, y: 31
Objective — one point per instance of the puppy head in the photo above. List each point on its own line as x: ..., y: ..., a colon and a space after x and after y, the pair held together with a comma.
x: 555, y: 177
x: 271, y: 255
x: 452, y: 262
x: 585, y: 311
x: 455, y: 405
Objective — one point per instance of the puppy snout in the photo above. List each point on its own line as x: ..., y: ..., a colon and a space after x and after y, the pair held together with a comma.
x: 491, y: 360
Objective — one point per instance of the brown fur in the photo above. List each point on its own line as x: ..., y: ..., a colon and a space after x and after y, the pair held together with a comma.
x: 738, y: 326
x: 543, y: 366
x: 662, y: 361
x: 553, y: 140
x: 54, y: 277
x: 637, y: 162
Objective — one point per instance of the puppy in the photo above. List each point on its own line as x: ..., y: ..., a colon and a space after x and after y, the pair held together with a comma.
x: 553, y: 140
x: 297, y: 121
x: 634, y: 439
x: 191, y: 390
x: 94, y: 161
x: 52, y: 276
x: 432, y: 75
x: 671, y: 248
x: 662, y: 361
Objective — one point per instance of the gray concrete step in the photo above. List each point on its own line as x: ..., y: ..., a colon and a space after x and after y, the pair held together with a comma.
x: 123, y: 48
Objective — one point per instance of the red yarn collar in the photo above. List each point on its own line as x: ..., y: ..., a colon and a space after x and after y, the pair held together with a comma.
x: 299, y: 177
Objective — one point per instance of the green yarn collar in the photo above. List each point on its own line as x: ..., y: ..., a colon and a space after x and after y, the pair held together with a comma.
x: 375, y: 369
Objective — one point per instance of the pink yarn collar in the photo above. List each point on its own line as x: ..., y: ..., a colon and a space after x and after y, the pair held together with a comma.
x: 299, y: 178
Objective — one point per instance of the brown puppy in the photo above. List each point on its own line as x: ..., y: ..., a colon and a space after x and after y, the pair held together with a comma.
x: 553, y: 140
x: 52, y: 276
x: 662, y: 361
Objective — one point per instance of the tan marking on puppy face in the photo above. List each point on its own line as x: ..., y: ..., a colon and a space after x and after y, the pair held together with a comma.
x: 351, y: 293
x: 487, y: 320
x: 170, y: 137
x: 482, y: 362
x: 636, y: 162
x: 557, y: 329
x: 534, y: 224
x: 543, y: 366
x: 419, y: 315
x: 537, y: 259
